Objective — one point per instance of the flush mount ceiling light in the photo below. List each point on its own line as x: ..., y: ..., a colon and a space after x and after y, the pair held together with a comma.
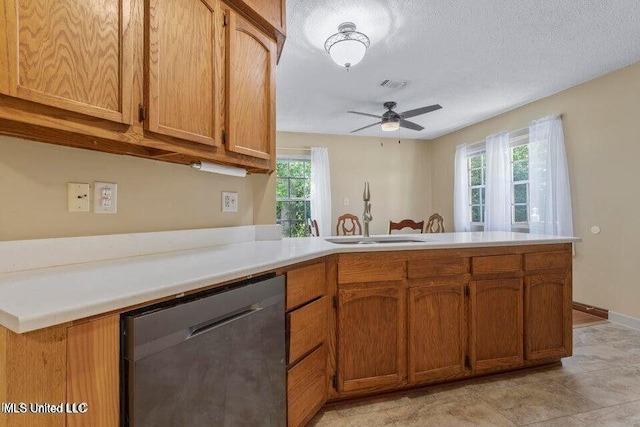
x: 348, y: 46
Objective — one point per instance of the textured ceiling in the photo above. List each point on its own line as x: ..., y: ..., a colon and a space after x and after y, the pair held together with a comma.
x: 475, y: 58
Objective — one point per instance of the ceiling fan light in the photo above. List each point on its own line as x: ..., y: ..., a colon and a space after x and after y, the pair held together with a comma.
x: 390, y: 126
x: 347, y: 47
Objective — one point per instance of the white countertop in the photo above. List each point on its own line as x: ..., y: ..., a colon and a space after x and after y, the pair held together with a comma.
x: 44, y: 296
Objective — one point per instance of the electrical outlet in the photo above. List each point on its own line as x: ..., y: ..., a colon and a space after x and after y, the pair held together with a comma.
x: 346, y: 201
x: 77, y: 197
x: 105, y: 197
x: 229, y: 201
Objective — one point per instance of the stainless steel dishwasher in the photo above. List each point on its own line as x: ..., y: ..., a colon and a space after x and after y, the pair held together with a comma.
x: 211, y: 359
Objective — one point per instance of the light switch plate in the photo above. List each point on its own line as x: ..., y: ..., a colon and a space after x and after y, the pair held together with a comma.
x: 105, y: 197
x: 78, y: 197
x: 229, y: 201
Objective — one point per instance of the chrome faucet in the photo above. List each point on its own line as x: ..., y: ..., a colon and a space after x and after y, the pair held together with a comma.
x: 366, y: 216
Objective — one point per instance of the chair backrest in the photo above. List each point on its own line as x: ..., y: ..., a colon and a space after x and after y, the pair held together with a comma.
x: 348, y: 225
x: 435, y: 224
x: 406, y: 226
x: 312, y: 227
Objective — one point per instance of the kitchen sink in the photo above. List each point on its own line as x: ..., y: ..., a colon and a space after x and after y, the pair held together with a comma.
x: 372, y: 240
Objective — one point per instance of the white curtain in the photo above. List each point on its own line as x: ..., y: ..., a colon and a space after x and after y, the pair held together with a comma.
x: 498, y: 184
x: 321, y: 189
x: 461, y: 216
x: 550, y: 194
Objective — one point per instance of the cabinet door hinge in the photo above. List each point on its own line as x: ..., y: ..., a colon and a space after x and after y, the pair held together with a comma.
x: 334, y: 381
x: 224, y: 19
x: 142, y: 113
x: 224, y: 137
x: 335, y: 301
x: 467, y: 292
x: 467, y: 362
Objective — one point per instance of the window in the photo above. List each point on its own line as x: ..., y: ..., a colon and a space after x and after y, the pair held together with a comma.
x: 477, y: 178
x: 477, y: 166
x: 293, y: 188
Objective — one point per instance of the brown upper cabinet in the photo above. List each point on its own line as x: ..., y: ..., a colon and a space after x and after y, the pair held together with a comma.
x: 251, y: 62
x: 184, y: 63
x: 73, y: 55
x: 177, y: 81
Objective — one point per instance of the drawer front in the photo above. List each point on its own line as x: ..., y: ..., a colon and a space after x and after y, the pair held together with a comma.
x: 307, y: 387
x: 434, y: 267
x: 307, y: 328
x: 547, y: 260
x: 361, y: 268
x: 496, y: 264
x: 305, y: 284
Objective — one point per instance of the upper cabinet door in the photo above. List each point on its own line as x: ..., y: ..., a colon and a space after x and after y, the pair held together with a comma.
x: 273, y: 11
x: 251, y: 62
x: 184, y: 69
x: 69, y: 54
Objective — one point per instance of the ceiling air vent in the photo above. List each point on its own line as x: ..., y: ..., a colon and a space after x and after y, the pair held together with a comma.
x: 393, y: 84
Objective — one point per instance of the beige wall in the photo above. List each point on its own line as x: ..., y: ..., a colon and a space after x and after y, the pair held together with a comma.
x: 152, y: 195
x: 602, y: 135
x: 399, y: 175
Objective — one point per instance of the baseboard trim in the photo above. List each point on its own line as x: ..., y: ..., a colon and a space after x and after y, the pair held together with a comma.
x: 589, y: 309
x: 632, y: 322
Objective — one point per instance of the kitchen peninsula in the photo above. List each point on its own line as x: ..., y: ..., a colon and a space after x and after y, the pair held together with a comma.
x: 450, y: 306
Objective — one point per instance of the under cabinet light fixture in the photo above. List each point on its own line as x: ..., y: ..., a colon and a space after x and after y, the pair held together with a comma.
x: 221, y: 169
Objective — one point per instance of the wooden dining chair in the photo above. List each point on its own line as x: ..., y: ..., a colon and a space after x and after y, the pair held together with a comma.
x: 406, y: 226
x: 312, y: 227
x: 348, y: 225
x: 435, y: 224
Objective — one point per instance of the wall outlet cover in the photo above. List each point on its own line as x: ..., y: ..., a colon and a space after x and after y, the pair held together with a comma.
x: 105, y: 197
x: 229, y: 201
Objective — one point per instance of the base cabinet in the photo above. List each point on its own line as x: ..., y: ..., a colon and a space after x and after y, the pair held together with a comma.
x: 548, y: 316
x: 307, y: 384
x: 496, y: 323
x: 371, y: 337
x: 436, y: 332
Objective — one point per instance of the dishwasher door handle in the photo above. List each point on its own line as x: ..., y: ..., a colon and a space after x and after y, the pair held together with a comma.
x: 203, y: 328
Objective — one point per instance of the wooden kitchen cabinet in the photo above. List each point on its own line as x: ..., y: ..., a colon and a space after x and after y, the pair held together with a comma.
x: 496, y: 323
x: 308, y: 342
x: 184, y: 66
x: 548, y: 315
x: 73, y: 55
x: 176, y: 81
x: 93, y: 371
x: 307, y: 384
x: 436, y: 319
x: 250, y: 93
x: 371, y: 336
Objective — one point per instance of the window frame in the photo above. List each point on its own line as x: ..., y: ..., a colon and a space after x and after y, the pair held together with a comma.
x: 516, y: 139
x: 307, y: 200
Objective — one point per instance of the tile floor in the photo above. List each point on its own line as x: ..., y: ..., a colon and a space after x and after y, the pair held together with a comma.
x: 598, y: 386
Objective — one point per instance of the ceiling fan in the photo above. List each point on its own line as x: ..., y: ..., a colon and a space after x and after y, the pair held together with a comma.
x: 391, y: 120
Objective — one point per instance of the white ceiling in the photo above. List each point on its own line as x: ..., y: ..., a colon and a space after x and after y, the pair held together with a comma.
x: 475, y: 58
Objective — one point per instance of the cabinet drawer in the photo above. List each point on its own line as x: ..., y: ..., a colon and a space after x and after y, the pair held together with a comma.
x: 496, y: 264
x: 362, y: 268
x: 307, y: 328
x: 307, y: 387
x: 434, y: 267
x: 305, y: 284
x: 547, y: 260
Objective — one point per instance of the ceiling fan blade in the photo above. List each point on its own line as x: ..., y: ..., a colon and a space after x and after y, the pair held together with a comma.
x: 410, y: 125
x: 357, y: 130
x: 364, y: 114
x: 419, y: 111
